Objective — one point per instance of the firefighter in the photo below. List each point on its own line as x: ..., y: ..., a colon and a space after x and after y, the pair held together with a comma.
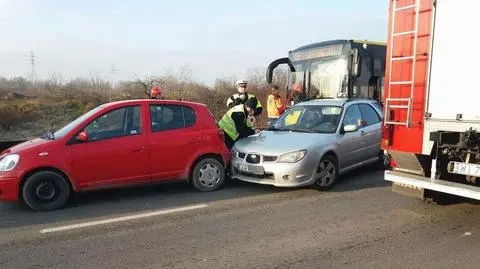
x: 242, y: 96
x: 236, y: 123
x: 297, y: 93
x: 275, y: 106
x: 155, y: 92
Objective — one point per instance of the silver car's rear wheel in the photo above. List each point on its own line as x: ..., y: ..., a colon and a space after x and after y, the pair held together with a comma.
x: 327, y: 173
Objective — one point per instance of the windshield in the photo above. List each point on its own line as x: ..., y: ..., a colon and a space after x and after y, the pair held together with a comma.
x: 328, y: 78
x: 311, y: 118
x: 66, y: 129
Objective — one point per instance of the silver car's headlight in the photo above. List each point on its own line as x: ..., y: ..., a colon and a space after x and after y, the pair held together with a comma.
x: 9, y: 162
x: 292, y: 157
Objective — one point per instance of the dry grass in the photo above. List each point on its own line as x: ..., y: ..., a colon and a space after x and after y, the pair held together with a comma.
x: 55, y: 103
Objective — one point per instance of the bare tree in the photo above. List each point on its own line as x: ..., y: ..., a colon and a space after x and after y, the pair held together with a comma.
x: 149, y: 82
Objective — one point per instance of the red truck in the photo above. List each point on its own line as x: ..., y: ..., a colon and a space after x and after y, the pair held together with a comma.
x: 117, y: 144
x: 431, y: 117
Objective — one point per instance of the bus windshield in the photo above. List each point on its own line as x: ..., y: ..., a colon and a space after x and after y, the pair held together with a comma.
x: 326, y: 77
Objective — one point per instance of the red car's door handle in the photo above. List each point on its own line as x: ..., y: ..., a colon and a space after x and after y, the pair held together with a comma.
x: 138, y: 149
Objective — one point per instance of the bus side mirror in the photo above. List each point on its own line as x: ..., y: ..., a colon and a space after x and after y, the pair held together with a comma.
x: 356, y: 63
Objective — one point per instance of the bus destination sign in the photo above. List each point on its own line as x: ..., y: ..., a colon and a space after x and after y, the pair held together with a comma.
x: 326, y: 51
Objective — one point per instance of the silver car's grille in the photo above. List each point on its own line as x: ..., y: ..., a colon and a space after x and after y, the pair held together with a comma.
x: 253, y: 158
x: 269, y: 158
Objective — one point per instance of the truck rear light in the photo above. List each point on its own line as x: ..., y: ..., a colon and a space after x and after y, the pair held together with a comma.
x: 386, y: 136
x: 393, y: 163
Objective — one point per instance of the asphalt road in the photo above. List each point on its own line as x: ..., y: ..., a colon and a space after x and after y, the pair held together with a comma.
x: 359, y: 224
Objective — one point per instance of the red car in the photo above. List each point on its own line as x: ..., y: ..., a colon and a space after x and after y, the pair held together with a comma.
x: 117, y: 144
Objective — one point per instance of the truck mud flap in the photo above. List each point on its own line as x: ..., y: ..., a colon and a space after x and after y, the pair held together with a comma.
x: 418, y: 184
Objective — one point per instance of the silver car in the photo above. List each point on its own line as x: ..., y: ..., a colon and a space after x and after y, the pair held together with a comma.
x: 312, y: 143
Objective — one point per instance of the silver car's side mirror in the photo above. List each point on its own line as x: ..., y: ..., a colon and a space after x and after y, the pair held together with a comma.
x: 350, y: 128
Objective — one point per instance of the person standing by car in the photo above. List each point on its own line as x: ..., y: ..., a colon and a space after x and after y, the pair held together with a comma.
x: 275, y: 106
x: 242, y: 96
x: 235, y: 123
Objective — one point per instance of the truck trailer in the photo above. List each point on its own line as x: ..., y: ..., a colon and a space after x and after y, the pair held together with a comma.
x: 431, y: 120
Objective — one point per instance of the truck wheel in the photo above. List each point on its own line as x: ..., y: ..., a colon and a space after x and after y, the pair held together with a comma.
x: 208, y: 175
x: 327, y: 173
x: 45, y: 191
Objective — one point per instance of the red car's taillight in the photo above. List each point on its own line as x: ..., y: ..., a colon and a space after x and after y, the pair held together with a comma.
x: 221, y: 134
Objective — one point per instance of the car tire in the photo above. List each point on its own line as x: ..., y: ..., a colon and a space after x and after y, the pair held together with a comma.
x: 327, y: 173
x: 45, y: 191
x: 208, y: 175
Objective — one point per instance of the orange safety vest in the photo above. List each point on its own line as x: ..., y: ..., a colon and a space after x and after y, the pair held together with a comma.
x: 274, y: 106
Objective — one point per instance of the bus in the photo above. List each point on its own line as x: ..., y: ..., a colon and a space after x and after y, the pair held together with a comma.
x: 334, y: 69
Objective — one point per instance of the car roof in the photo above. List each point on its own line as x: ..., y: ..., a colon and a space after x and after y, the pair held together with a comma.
x: 337, y: 101
x: 151, y: 101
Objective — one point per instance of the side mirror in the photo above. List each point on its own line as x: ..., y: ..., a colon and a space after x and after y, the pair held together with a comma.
x: 83, y: 137
x: 362, y: 123
x: 350, y: 128
x: 356, y: 63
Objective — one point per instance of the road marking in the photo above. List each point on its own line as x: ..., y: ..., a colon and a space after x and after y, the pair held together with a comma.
x: 138, y: 216
x: 467, y: 234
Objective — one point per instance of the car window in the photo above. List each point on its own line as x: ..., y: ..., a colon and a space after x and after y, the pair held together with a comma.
x: 190, y: 116
x: 379, y: 106
x: 369, y: 114
x: 118, y: 122
x: 170, y: 117
x: 352, y: 116
x: 134, y: 122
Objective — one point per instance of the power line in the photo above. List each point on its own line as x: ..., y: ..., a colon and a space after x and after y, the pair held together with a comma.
x: 113, y: 71
x: 33, y: 76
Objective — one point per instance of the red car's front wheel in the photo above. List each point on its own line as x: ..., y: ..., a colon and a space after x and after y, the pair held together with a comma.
x: 45, y: 191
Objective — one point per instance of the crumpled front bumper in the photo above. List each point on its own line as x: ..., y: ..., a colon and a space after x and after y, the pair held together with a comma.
x: 275, y: 174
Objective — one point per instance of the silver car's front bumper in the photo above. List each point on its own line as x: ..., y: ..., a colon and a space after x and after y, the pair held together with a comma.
x: 276, y: 174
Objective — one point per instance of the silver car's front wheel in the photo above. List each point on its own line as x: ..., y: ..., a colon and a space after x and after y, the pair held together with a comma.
x: 327, y: 173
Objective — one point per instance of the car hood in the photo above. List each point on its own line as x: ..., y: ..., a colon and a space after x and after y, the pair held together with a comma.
x: 28, y: 145
x: 276, y: 142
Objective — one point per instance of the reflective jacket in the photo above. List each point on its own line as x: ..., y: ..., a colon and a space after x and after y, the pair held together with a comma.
x: 235, y: 123
x: 275, y: 107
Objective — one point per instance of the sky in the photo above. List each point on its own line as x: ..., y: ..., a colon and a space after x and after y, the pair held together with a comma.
x: 214, y: 39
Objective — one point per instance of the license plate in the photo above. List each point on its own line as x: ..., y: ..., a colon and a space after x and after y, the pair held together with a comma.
x: 468, y: 169
x: 243, y: 167
x: 251, y: 169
